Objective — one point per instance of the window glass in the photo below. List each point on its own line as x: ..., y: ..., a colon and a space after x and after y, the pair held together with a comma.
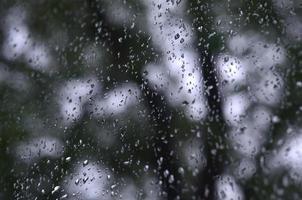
x: 150, y: 99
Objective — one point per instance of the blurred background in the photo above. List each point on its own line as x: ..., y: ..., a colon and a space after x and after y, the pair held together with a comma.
x: 151, y: 99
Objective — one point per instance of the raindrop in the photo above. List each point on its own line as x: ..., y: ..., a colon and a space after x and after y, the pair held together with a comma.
x: 64, y: 196
x: 171, y: 178
x: 85, y: 162
x: 181, y: 171
x: 166, y: 173
x: 146, y: 168
x: 126, y: 162
x: 85, y: 179
x: 218, y: 22
x: 55, y: 189
x: 275, y: 119
x: 113, y: 186
x: 132, y: 25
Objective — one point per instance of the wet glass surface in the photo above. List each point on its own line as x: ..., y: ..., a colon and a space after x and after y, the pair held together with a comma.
x: 150, y: 99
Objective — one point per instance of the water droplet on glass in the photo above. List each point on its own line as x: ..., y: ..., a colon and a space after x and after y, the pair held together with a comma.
x: 113, y: 186
x: 64, y: 196
x: 85, y: 162
x: 146, y: 168
x: 126, y: 162
x: 275, y: 119
x: 171, y: 178
x: 55, y: 189
x: 181, y: 170
x: 166, y: 173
